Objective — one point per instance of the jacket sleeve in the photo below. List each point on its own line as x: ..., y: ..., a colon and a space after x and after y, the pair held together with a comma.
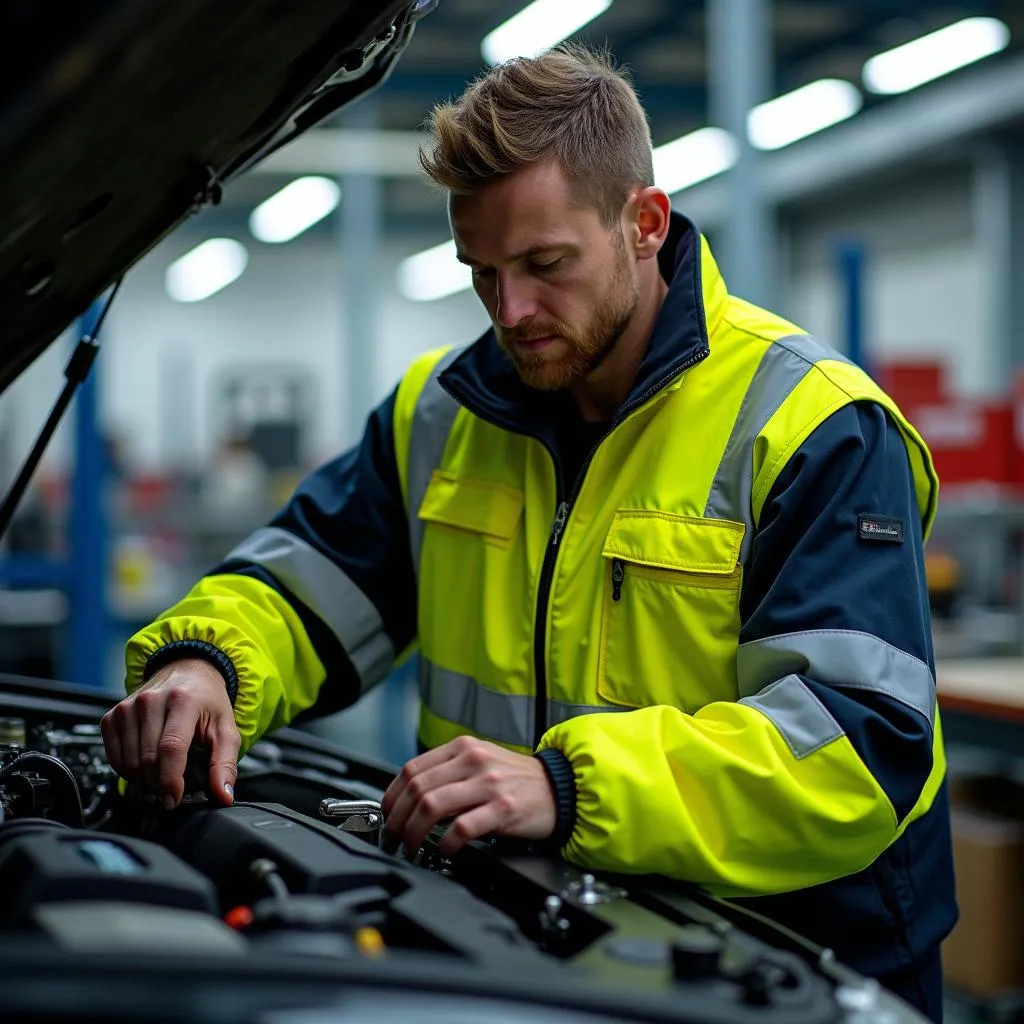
x: 833, y: 746
x: 313, y: 608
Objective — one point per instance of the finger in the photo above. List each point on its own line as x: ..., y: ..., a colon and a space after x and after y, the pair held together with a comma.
x: 151, y: 710
x: 418, y: 788
x: 128, y: 730
x: 224, y: 745
x: 392, y: 793
x: 480, y: 821
x: 112, y: 741
x: 178, y: 731
x: 417, y: 766
x: 444, y: 802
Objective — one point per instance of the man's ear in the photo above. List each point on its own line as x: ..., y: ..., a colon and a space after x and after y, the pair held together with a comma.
x: 650, y: 218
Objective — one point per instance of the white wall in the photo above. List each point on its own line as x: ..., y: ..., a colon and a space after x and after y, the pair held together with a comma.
x: 925, y: 280
x: 160, y: 359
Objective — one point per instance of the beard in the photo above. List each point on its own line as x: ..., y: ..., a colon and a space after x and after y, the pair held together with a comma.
x: 582, y: 351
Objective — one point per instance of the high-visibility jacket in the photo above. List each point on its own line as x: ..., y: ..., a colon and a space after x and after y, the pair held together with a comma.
x: 719, y: 626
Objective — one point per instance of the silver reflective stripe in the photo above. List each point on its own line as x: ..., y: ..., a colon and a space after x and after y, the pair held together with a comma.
x: 457, y: 698
x: 803, y: 720
x: 559, y: 711
x: 808, y: 348
x: 502, y: 717
x: 783, y: 366
x: 431, y: 424
x: 328, y: 592
x: 839, y: 657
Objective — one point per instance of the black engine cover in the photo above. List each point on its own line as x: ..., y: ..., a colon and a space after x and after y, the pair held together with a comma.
x: 60, y: 865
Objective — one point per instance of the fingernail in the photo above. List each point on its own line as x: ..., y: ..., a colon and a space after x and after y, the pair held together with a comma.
x: 169, y: 802
x: 229, y: 789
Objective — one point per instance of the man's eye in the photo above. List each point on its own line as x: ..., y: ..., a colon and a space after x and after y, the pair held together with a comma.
x: 542, y: 268
x: 482, y: 272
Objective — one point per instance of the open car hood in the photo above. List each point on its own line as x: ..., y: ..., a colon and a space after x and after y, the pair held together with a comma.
x: 132, y: 114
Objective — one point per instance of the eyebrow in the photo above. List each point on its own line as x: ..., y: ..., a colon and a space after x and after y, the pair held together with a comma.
x: 533, y: 251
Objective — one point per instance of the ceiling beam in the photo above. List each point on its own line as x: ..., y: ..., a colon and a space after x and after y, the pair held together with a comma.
x: 942, y: 117
x: 896, y: 132
x: 339, y: 151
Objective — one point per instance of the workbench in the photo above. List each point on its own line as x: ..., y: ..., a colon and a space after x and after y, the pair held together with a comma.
x: 982, y: 703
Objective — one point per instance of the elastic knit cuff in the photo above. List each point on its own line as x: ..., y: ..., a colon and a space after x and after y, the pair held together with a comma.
x: 179, y: 650
x: 563, y: 784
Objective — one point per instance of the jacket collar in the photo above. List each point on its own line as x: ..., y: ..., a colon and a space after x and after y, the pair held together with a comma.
x: 483, y: 379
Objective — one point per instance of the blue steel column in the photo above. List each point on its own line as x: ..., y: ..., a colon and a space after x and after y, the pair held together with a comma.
x: 361, y: 227
x: 88, y: 630
x: 999, y: 233
x: 850, y: 260
x: 740, y: 60
x: 998, y: 193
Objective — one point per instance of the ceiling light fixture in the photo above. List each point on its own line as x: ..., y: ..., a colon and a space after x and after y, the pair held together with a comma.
x: 694, y: 158
x: 939, y: 53
x: 433, y: 274
x: 296, y: 208
x: 206, y: 269
x: 805, y: 111
x: 538, y: 27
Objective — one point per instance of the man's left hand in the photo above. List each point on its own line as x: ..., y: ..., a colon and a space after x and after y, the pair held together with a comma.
x: 486, y: 789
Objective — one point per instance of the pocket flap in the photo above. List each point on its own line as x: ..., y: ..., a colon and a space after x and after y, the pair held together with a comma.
x: 666, y: 541
x: 482, y: 506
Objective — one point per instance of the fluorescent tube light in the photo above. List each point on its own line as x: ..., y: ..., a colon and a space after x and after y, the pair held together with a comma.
x: 433, y: 274
x: 296, y: 208
x: 206, y: 269
x: 934, y: 55
x: 800, y: 113
x: 538, y: 27
x: 695, y: 157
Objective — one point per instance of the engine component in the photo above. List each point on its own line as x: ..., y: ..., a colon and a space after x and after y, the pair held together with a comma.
x: 55, y: 865
x: 590, y: 892
x: 12, y: 732
x: 39, y: 785
x: 306, y: 892
x: 697, y: 955
x: 224, y: 842
x: 119, y: 929
x: 81, y: 749
x: 243, y: 848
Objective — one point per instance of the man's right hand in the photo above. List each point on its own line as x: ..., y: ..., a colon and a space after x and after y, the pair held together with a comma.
x: 148, y: 735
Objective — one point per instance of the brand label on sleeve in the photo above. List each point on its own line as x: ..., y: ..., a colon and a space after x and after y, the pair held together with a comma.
x: 886, y: 529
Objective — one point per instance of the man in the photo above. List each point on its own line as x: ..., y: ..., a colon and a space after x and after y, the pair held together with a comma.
x: 660, y: 551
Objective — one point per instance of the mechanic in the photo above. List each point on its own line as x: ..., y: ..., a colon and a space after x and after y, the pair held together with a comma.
x: 660, y: 552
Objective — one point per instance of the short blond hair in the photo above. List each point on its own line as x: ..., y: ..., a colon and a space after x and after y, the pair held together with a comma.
x: 571, y: 104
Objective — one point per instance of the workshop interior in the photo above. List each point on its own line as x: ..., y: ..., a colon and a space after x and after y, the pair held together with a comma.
x: 219, y: 252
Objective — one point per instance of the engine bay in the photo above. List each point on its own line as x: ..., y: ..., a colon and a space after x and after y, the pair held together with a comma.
x: 288, y: 902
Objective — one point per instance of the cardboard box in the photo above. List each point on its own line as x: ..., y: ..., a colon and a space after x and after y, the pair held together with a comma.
x: 985, y: 953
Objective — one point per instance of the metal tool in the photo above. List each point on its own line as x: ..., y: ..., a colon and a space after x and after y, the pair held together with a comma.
x: 589, y: 892
x: 363, y: 818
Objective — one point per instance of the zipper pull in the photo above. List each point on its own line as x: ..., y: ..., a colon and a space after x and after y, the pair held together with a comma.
x: 559, y: 524
x: 618, y: 576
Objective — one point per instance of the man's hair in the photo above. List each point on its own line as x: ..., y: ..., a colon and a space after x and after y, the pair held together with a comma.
x: 571, y: 105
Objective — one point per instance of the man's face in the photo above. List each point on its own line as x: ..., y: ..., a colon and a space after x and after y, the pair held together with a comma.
x: 559, y: 287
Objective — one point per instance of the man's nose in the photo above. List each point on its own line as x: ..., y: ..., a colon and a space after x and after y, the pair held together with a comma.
x: 515, y: 304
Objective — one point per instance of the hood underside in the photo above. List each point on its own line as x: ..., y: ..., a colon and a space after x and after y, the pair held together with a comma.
x: 119, y: 118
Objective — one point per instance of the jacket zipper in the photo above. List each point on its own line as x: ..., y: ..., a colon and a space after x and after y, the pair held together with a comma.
x: 618, y: 578
x: 562, y: 513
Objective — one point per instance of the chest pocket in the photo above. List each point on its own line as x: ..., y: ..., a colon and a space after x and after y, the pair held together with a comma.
x: 480, y: 507
x: 472, y: 591
x: 670, y: 615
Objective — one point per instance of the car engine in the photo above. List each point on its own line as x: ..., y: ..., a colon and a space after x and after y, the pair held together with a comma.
x: 287, y: 902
